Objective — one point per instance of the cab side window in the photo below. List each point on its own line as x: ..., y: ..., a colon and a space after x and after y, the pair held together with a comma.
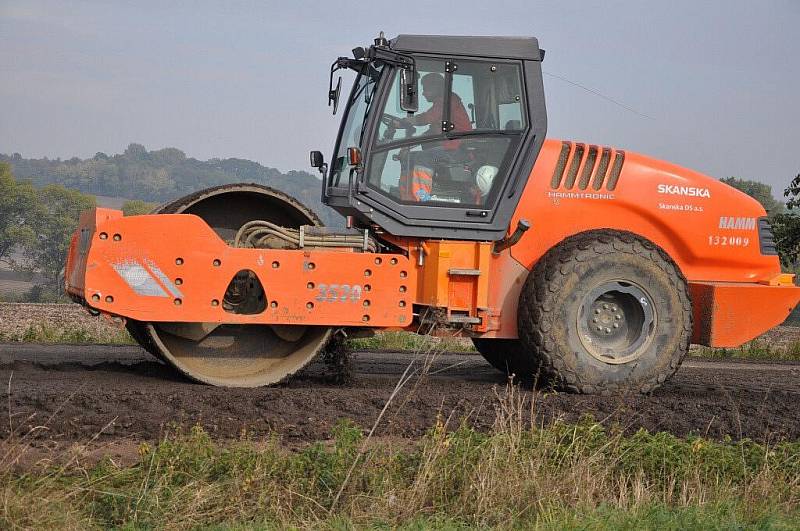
x: 456, y: 150
x: 498, y: 90
x: 401, y: 128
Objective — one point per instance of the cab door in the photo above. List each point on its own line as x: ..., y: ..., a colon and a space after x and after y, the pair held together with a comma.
x: 452, y: 168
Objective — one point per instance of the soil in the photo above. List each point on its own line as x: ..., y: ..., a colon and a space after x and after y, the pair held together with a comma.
x: 68, y: 394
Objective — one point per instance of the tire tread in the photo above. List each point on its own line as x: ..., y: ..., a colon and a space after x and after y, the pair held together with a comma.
x: 537, y: 314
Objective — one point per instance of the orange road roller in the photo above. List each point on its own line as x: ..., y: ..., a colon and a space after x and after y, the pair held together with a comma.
x: 587, y: 265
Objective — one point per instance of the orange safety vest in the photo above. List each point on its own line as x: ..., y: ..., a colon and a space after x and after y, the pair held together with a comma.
x: 418, y: 185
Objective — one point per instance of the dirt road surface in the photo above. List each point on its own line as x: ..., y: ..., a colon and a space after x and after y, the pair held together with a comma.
x: 67, y: 394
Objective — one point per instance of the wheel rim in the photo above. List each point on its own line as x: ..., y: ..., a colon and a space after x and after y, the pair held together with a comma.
x: 237, y: 355
x: 617, y: 321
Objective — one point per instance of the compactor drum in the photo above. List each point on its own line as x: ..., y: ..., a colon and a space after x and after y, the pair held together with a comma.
x: 587, y: 266
x: 235, y: 355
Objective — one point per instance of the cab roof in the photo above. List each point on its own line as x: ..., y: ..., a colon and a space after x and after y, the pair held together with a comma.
x: 526, y: 48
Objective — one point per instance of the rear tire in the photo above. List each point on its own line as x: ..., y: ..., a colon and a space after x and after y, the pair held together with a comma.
x: 606, y: 311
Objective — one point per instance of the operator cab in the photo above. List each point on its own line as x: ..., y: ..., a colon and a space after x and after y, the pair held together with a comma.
x: 439, y: 135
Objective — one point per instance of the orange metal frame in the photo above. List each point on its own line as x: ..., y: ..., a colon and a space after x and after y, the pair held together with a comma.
x: 175, y: 268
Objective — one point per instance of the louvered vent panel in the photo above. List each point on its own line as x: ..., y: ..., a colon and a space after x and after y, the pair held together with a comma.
x: 582, y: 165
x: 572, y: 173
x: 558, y: 173
x: 766, y: 238
x: 588, y: 166
x: 619, y: 160
x: 602, y: 168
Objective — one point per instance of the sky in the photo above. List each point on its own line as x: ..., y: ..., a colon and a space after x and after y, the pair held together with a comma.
x: 711, y: 85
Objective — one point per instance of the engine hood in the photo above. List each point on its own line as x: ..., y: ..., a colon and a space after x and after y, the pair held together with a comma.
x: 670, y: 184
x: 713, y: 231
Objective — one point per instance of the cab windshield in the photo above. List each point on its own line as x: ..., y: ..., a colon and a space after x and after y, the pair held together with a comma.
x: 357, y: 110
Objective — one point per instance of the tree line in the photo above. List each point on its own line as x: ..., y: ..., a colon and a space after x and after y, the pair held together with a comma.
x: 36, y: 226
x: 162, y: 175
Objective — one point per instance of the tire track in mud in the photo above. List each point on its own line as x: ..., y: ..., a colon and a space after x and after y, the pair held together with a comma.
x: 75, y: 392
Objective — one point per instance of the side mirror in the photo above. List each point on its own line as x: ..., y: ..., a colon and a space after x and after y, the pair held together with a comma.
x: 317, y: 159
x: 333, y: 94
x: 409, y: 97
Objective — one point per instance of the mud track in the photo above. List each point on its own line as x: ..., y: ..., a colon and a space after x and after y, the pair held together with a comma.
x: 64, y: 394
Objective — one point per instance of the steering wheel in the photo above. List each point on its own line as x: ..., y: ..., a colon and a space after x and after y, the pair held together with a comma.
x: 392, y: 123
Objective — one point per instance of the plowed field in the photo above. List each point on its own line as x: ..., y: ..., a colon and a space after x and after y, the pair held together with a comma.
x: 65, y: 394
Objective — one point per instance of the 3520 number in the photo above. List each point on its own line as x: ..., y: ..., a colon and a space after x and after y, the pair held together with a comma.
x: 339, y: 293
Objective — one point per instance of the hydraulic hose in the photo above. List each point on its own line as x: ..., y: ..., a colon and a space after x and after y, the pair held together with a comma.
x: 258, y: 234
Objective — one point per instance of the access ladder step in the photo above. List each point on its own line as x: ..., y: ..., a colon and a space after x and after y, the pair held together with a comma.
x: 464, y: 319
x: 464, y: 272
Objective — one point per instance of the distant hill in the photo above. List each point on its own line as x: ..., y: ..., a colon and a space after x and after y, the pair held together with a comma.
x: 164, y: 174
